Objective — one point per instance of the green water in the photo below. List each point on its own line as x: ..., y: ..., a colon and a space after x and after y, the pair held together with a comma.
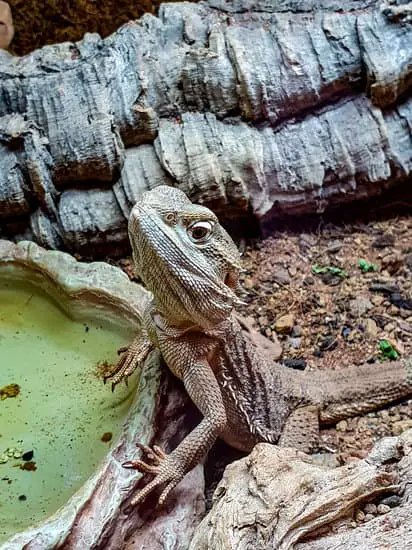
x: 63, y: 408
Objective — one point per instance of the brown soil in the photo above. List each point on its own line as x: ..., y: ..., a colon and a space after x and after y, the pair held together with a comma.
x: 40, y: 22
x: 337, y: 319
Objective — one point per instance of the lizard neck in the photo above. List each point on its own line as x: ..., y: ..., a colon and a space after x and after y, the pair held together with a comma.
x: 182, y: 312
x: 175, y: 328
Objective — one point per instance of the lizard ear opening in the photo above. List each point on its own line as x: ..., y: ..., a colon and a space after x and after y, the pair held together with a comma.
x: 232, y: 280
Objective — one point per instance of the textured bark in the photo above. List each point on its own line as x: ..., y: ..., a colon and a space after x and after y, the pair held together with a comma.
x: 276, y: 498
x: 250, y: 107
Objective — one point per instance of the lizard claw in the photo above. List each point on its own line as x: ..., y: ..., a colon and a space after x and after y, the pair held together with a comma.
x: 165, y: 469
x: 132, y: 356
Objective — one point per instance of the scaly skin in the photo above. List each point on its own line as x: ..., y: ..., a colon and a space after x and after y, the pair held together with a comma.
x: 191, y: 266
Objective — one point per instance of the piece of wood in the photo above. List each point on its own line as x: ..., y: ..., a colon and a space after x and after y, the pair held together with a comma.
x: 253, y: 109
x: 277, y: 498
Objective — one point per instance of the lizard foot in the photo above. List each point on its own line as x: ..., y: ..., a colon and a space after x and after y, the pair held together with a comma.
x: 132, y: 356
x: 165, y: 468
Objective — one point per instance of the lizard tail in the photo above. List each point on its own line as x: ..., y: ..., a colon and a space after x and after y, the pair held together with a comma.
x: 357, y: 390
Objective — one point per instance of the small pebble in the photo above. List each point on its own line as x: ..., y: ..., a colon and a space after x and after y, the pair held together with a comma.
x: 298, y: 364
x: 383, y: 509
x: 284, y: 324
x: 342, y: 426
x: 294, y: 343
x: 360, y: 516
x: 370, y: 508
x: 377, y: 300
x: 297, y: 331
x: 392, y: 501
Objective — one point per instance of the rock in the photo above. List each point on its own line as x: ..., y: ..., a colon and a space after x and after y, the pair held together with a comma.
x: 393, y: 310
x: 294, y: 343
x: 392, y: 501
x: 383, y: 241
x: 400, y: 301
x: 298, y: 364
x: 331, y: 279
x: 328, y: 342
x: 389, y: 327
x: 297, y: 331
x: 406, y: 327
x: 377, y: 300
x: 383, y: 509
x: 280, y: 275
x: 333, y: 247
x: 248, y: 283
x: 392, y: 263
x: 360, y: 305
x: 306, y: 241
x: 401, y: 426
x: 263, y: 321
x: 384, y: 414
x: 292, y: 270
x: 370, y: 508
x: 284, y: 324
x: 342, y: 426
x: 371, y: 328
x: 383, y: 286
x: 360, y: 516
x: 404, y: 313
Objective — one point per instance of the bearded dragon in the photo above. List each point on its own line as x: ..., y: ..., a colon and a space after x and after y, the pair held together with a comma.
x: 191, y: 266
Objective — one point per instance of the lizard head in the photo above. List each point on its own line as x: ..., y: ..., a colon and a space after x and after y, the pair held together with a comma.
x: 184, y: 257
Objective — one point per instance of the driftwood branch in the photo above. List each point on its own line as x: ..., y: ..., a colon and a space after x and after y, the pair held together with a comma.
x: 276, y: 498
x: 251, y: 108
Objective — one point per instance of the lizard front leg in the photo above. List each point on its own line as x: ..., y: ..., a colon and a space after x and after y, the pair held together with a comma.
x: 135, y: 353
x: 169, y: 470
x: 132, y: 356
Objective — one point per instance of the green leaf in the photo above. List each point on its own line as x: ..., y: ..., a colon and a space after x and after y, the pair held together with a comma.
x: 316, y: 269
x: 387, y: 350
x: 337, y: 271
x: 365, y: 266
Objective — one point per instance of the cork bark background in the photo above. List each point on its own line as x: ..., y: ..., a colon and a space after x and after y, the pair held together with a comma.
x: 257, y: 109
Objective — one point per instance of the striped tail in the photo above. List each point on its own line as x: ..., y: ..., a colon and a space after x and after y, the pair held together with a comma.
x: 357, y: 390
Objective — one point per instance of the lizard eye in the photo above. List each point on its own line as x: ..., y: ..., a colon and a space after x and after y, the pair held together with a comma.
x: 199, y: 232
